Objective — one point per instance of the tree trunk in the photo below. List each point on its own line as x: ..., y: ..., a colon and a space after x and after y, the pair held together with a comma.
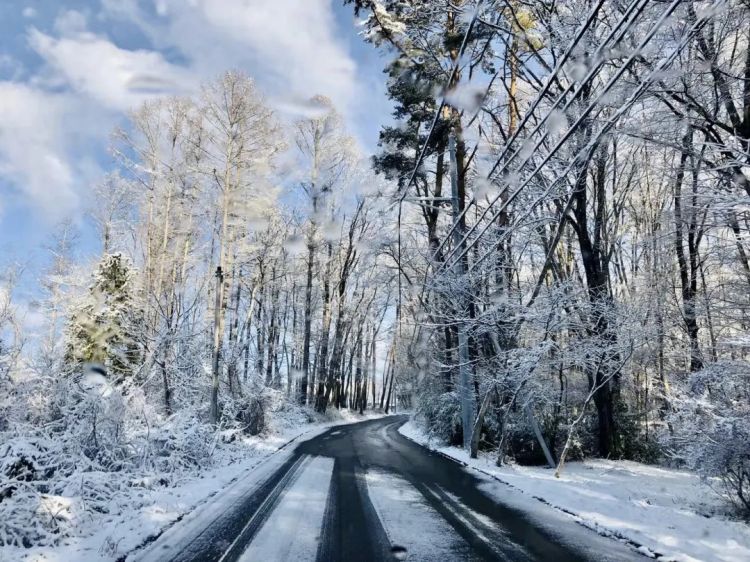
x: 322, y: 360
x: 307, y: 322
x: 687, y: 265
x: 217, y: 348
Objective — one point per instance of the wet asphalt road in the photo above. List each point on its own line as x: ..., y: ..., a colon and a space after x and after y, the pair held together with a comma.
x: 351, y: 528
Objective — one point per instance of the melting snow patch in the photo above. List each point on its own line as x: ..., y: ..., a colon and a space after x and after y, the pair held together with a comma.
x: 410, y: 522
x: 293, y: 530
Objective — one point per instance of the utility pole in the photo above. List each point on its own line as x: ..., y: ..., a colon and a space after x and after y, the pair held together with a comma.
x: 464, y: 388
x: 217, y: 346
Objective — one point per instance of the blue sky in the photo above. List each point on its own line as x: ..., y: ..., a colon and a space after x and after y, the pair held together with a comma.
x: 71, y: 69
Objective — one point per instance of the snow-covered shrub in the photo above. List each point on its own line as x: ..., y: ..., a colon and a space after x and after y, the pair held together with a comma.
x: 442, y: 417
x: 262, y: 410
x: 36, y: 519
x: 100, y: 433
x: 77, y: 449
x: 251, y: 414
x: 29, y: 512
x: 184, y: 441
x: 283, y: 413
x: 711, y: 428
x: 727, y: 455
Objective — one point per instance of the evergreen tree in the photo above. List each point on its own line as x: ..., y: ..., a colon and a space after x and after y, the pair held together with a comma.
x: 103, y: 326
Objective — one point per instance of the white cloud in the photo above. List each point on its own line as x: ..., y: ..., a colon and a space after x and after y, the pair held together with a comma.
x: 29, y: 12
x: 31, y: 148
x: 11, y: 67
x: 295, y: 40
x: 161, y: 7
x: 70, y: 22
x: 290, y: 46
x: 116, y: 78
x: 49, y: 124
x: 68, y: 107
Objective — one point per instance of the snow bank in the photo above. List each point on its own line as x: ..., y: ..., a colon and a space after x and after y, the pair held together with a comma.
x: 144, y: 506
x: 663, y: 513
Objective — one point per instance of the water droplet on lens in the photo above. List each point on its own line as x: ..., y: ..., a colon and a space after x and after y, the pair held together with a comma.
x: 399, y: 552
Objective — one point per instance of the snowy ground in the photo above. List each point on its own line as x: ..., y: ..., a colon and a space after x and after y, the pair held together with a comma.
x: 109, y: 537
x: 666, y: 514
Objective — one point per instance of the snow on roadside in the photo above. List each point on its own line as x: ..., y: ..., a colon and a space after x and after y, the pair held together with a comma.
x: 666, y: 514
x: 153, y: 508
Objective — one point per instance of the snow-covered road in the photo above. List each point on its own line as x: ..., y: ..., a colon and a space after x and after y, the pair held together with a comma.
x: 292, y: 531
x: 363, y: 492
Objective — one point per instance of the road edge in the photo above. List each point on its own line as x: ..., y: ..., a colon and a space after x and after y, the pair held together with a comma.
x: 153, y: 537
x: 606, y: 532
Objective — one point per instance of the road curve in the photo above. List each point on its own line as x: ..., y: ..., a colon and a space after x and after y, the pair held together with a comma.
x: 363, y: 492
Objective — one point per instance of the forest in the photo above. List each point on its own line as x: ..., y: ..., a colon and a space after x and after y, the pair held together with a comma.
x: 547, y: 259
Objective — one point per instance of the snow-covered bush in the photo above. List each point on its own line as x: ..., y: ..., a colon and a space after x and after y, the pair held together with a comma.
x: 442, y: 417
x: 79, y: 450
x: 73, y: 449
x: 181, y: 442
x: 29, y: 514
x: 251, y: 414
x: 711, y: 428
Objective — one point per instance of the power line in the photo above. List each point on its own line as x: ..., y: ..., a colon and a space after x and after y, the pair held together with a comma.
x: 644, y: 84
x: 623, y: 109
x: 466, y: 247
x: 640, y: 5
